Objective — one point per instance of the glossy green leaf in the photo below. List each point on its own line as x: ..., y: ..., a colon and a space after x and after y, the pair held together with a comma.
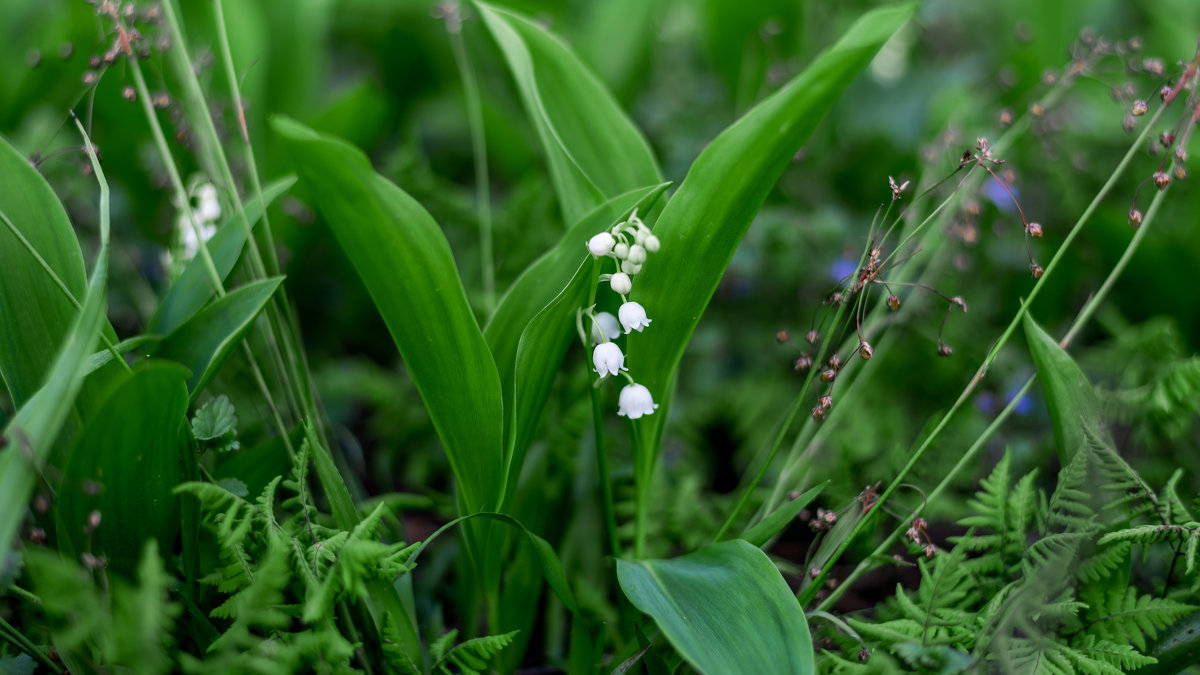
x: 701, y: 226
x: 38, y: 423
x: 725, y: 608
x: 124, y: 466
x: 1069, y: 396
x: 593, y: 149
x: 193, y: 288
x: 205, y: 341
x: 773, y: 524
x: 404, y: 261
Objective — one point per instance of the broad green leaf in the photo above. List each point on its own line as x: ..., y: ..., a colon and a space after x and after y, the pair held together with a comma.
x: 204, y: 342
x: 193, y: 288
x: 124, y: 466
x: 773, y: 524
x: 725, y: 608
x: 1071, y: 401
x: 405, y: 263
x: 701, y: 226
x: 32, y: 432
x: 214, y: 419
x: 593, y: 149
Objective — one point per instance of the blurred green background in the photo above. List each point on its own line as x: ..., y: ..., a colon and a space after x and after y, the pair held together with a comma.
x: 382, y: 75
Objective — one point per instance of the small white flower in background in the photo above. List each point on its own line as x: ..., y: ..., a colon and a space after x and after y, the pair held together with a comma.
x: 608, y: 358
x: 633, y: 317
x: 205, y: 209
x: 635, y: 401
x: 209, y: 208
x: 621, y: 284
x: 601, y: 244
x: 610, y: 326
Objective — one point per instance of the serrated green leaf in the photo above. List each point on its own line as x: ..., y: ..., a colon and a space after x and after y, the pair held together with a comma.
x: 725, y: 608
x: 214, y: 419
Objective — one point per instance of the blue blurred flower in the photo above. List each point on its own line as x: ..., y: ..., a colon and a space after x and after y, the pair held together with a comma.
x: 842, y: 268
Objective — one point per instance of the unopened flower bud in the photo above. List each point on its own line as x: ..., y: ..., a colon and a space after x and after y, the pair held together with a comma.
x: 1180, y: 172
x: 621, y: 250
x: 829, y: 375
x: 865, y: 350
x: 1167, y: 138
x: 814, y: 572
x: 912, y: 534
x: 893, y: 302
x: 621, y: 283
x: 1161, y: 179
x: 1036, y: 270
x: 1037, y: 110
x: 813, y: 337
x: 637, y: 254
x: 1165, y: 92
x: 1128, y: 124
x: 601, y: 244
x: 835, y: 362
x: 630, y: 268
x: 93, y: 520
x: 818, y: 413
x: 929, y: 550
x: 1181, y: 154
x: 1034, y: 229
x: 803, y: 363
x: 1006, y: 117
x: 652, y: 244
x: 1135, y: 217
x: 826, y: 402
x: 944, y: 349
x: 782, y: 336
x: 1139, y: 108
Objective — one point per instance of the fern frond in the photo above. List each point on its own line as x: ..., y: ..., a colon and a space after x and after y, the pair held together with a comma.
x: 1187, y: 535
x: 398, y: 660
x: 472, y: 656
x: 1124, y: 616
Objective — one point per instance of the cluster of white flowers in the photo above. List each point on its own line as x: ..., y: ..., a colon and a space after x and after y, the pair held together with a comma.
x: 628, y: 243
x: 205, y: 208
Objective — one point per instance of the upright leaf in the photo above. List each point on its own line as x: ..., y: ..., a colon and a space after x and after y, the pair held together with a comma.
x: 593, y: 149
x: 725, y: 608
x: 406, y: 264
x: 1069, y: 396
x: 701, y: 226
x: 205, y: 341
x: 125, y: 465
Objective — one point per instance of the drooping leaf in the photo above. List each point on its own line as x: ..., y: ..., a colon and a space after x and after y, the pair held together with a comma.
x: 773, y: 524
x: 1069, y: 396
x: 725, y: 608
x: 593, y: 149
x: 204, y: 342
x: 124, y: 466
x: 406, y: 264
x: 194, y: 287
x: 705, y: 220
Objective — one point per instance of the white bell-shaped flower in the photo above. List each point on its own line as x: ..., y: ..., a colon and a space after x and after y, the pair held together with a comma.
x: 652, y: 244
x: 637, y: 254
x: 209, y: 208
x: 601, y: 244
x: 633, y: 317
x: 635, y: 401
x: 621, y: 284
x: 621, y: 250
x: 609, y: 324
x: 608, y: 358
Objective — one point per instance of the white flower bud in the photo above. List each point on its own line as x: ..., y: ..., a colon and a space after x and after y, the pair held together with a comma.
x: 601, y: 244
x: 641, y: 235
x: 630, y: 268
x: 621, y: 250
x: 621, y: 284
x: 608, y: 323
x: 633, y: 317
x: 608, y: 358
x: 635, y: 401
x: 652, y: 244
x: 637, y: 254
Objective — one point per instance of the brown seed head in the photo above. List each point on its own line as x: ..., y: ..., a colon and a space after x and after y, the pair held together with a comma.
x: 1135, y: 217
x: 865, y: 350
x: 813, y: 337
x: 829, y: 375
x: 1128, y: 124
x: 1167, y: 138
x: 129, y: 94
x: 893, y: 302
x: 1139, y: 108
x: 1034, y: 229
x: 835, y: 362
x: 1036, y: 270
x: 1161, y: 179
x: 929, y: 550
x: 1165, y: 92
x: 944, y: 349
x: 818, y: 413
x: 826, y: 402
x: 1180, y: 172
x: 1037, y: 110
x: 782, y: 336
x: 1181, y: 154
x: 1006, y: 117
x: 803, y: 363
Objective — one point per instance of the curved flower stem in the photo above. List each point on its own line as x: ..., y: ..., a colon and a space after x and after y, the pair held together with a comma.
x: 1085, y: 314
x: 807, y: 594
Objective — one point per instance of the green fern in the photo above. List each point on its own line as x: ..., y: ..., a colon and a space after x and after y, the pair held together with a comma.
x: 470, y: 657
